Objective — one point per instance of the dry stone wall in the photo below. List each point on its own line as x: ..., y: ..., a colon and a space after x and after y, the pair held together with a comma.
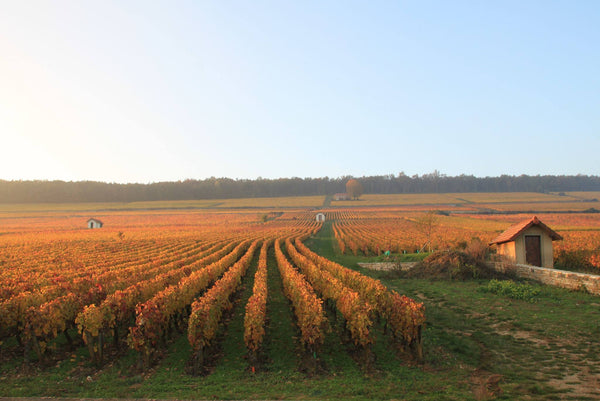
x: 558, y: 278
x: 387, y: 265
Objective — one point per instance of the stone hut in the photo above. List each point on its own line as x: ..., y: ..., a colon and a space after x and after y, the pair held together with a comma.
x: 528, y: 242
x: 94, y: 223
x: 320, y: 217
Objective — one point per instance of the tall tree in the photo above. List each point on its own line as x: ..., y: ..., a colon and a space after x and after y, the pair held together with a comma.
x: 354, y: 188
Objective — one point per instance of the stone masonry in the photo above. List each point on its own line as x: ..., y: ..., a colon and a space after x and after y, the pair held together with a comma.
x: 558, y: 278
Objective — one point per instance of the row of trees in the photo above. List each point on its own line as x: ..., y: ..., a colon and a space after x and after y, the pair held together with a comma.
x: 219, y: 188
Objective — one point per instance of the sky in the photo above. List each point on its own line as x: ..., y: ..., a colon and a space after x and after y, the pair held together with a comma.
x: 149, y: 91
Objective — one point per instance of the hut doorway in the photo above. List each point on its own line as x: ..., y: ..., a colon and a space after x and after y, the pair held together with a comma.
x: 533, y: 250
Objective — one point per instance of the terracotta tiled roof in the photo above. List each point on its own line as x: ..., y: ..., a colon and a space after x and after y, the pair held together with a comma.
x: 514, y: 231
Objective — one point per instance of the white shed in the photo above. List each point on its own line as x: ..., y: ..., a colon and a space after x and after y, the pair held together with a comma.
x: 341, y: 197
x: 94, y: 223
x: 528, y: 242
x: 320, y: 216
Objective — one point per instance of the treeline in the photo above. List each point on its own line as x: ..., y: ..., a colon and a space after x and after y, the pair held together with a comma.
x: 220, y: 188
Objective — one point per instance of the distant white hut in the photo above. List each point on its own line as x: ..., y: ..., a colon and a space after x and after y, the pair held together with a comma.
x: 94, y: 223
x: 341, y: 196
x: 320, y: 217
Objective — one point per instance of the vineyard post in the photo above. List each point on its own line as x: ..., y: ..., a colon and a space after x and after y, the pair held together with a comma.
x: 165, y: 333
x: 90, y: 341
x: 100, y: 355
x: 145, y: 358
x: 312, y: 357
x: 253, y: 359
x: 197, y: 361
x: 140, y: 361
x: 417, y: 344
x: 38, y: 349
x: 26, y: 350
x: 116, y: 336
x: 180, y: 321
x: 367, y: 357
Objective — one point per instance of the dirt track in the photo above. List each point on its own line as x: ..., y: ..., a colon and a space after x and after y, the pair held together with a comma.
x: 83, y: 399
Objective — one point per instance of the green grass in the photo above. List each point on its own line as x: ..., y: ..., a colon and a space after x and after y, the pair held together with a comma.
x: 511, y: 289
x: 470, y: 334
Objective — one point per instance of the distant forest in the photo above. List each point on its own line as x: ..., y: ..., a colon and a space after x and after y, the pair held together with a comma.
x: 220, y: 188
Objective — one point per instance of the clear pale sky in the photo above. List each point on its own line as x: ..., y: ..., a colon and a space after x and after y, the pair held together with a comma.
x: 146, y: 91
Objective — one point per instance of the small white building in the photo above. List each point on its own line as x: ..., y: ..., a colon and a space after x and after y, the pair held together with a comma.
x: 341, y: 196
x: 320, y: 217
x: 528, y: 242
x: 94, y: 223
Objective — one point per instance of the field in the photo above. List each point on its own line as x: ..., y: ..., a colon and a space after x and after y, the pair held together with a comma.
x: 524, y: 202
x: 281, y: 202
x: 257, y: 300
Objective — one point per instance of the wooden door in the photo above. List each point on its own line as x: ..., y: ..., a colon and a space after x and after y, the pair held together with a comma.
x: 533, y: 250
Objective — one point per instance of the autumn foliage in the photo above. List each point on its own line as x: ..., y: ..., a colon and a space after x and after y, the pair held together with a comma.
x: 354, y: 188
x: 256, y: 308
x: 139, y: 286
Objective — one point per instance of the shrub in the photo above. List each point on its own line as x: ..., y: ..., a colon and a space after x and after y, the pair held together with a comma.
x: 513, y: 290
x: 477, y: 249
x: 580, y: 260
x: 452, y: 265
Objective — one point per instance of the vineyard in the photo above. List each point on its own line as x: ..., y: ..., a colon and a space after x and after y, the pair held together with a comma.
x: 373, y: 231
x: 142, y: 287
x: 152, y: 282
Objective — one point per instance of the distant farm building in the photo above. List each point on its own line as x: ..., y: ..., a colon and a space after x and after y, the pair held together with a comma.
x: 94, y: 223
x: 320, y: 216
x: 528, y: 242
x: 339, y: 197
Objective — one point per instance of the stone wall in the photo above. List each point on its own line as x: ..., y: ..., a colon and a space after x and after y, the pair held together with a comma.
x: 387, y: 265
x: 558, y: 278
x: 378, y: 266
